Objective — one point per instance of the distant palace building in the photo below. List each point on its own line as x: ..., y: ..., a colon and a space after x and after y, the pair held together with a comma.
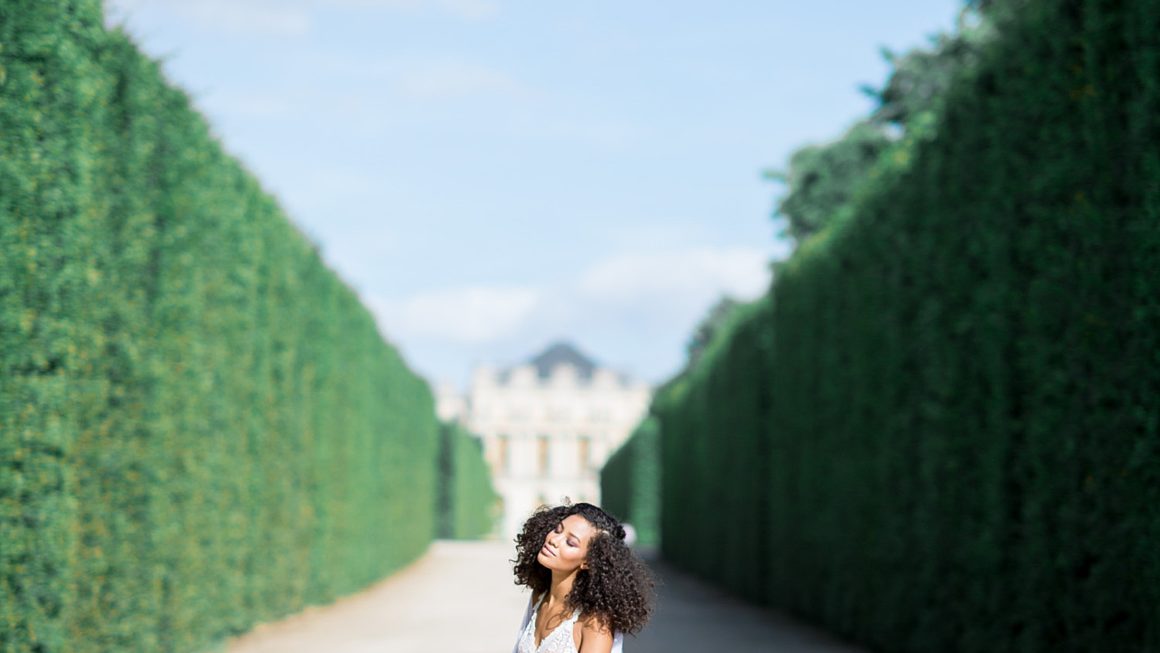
x: 547, y: 426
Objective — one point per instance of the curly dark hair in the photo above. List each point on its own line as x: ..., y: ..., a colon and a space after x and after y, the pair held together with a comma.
x: 616, y: 589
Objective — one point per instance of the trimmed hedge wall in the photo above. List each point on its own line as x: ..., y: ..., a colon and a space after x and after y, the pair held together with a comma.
x: 956, y: 446
x: 468, y: 503
x: 200, y: 427
x: 715, y: 457
x: 630, y: 482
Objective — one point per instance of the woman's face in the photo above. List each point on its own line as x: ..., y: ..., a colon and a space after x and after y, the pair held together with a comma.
x: 566, y: 547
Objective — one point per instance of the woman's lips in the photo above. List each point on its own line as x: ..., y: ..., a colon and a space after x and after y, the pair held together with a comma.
x: 547, y: 551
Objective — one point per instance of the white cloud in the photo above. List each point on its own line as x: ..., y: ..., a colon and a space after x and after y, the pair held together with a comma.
x: 450, y: 79
x: 291, y: 17
x: 273, y: 19
x: 473, y: 314
x: 638, y: 308
x: 470, y: 9
x: 246, y: 16
x: 417, y: 78
x: 678, y: 277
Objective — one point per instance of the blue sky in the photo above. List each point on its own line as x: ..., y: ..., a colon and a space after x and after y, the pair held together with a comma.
x: 492, y: 176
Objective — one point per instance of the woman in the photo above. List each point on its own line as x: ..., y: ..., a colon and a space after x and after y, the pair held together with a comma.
x: 588, y: 587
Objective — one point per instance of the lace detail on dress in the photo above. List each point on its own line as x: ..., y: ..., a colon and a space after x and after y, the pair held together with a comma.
x: 558, y: 641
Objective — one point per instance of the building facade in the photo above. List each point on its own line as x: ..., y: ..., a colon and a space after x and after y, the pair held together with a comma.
x: 547, y: 426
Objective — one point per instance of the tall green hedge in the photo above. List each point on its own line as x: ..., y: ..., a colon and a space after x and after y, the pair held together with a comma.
x: 960, y: 410
x: 715, y: 457
x: 468, y: 503
x: 200, y: 427
x: 630, y: 482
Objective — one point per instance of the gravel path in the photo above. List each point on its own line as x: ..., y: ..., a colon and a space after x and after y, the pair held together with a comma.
x: 459, y: 598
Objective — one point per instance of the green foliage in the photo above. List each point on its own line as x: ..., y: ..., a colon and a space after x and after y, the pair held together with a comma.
x: 822, y: 180
x: 919, y: 79
x: 715, y: 459
x: 200, y: 427
x: 468, y: 506
x: 630, y: 482
x: 954, y: 433
x: 708, y: 328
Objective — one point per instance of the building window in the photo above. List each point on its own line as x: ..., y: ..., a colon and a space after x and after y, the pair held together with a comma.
x: 502, y: 456
x: 543, y: 446
x: 584, y: 454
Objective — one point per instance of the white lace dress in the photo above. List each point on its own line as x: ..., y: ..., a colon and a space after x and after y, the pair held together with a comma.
x: 560, y: 640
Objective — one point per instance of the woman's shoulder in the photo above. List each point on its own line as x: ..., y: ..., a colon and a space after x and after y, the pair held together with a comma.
x: 595, y: 633
x: 595, y: 624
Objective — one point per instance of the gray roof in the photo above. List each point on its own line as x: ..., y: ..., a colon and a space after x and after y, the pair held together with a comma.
x: 559, y: 354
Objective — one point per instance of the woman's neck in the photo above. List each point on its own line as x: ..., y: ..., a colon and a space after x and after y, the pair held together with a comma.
x: 561, y: 585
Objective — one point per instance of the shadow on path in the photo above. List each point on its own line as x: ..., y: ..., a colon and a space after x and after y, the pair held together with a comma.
x: 694, y: 616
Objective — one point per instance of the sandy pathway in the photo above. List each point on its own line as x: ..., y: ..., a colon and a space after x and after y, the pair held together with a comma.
x: 459, y: 598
